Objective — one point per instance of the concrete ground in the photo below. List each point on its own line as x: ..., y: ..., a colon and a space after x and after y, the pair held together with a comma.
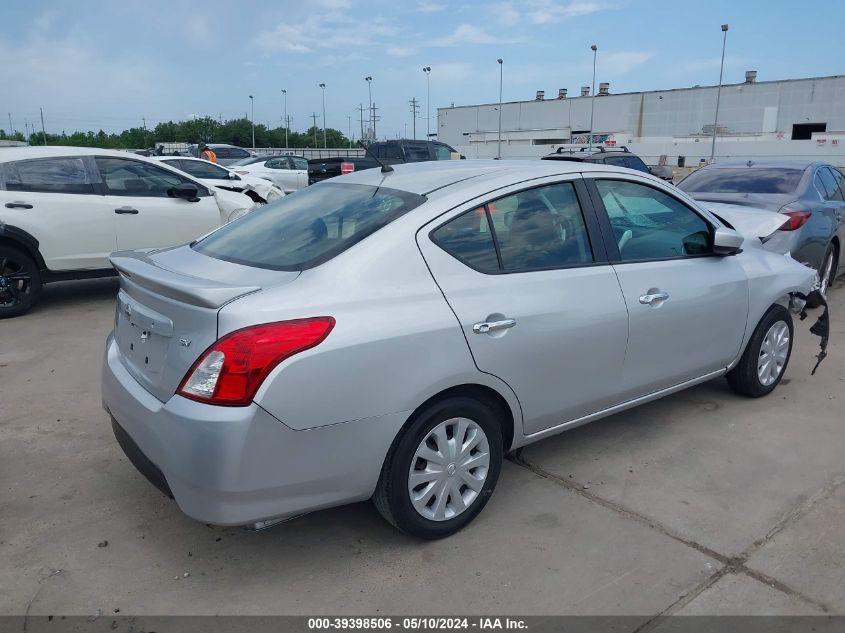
x: 702, y: 503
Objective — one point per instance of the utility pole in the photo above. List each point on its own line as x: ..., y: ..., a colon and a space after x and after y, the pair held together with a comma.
x: 43, y: 133
x: 315, y: 116
x: 593, y: 48
x: 427, y: 71
x: 369, y: 81
x: 719, y: 92
x: 11, y: 131
x: 361, y: 110
x: 323, y: 86
x: 349, y: 128
x: 287, y: 121
x: 499, y: 150
x: 252, y: 119
x: 414, y: 109
x: 375, y: 118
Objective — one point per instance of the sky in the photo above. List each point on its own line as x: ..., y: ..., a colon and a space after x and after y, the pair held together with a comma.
x: 108, y: 65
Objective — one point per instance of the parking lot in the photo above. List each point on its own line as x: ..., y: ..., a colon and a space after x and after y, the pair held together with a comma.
x: 703, y: 502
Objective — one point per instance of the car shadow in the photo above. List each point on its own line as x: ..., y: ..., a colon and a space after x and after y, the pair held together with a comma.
x: 75, y: 293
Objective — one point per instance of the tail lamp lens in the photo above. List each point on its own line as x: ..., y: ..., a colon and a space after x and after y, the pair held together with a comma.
x: 347, y: 168
x: 231, y: 371
x: 796, y: 220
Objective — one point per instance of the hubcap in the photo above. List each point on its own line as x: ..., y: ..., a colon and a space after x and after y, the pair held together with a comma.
x: 827, y: 271
x: 15, y: 282
x: 773, y: 353
x: 449, y: 469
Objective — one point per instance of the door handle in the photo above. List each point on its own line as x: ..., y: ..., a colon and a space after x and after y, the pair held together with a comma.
x: 18, y: 205
x: 125, y: 210
x: 654, y: 296
x: 492, y: 326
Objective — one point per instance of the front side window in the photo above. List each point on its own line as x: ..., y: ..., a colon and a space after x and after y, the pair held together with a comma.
x: 535, y: 229
x: 649, y: 224
x: 299, y: 163
x: 50, y: 175
x: 277, y: 163
x: 124, y: 177
x: 304, y: 230
x: 442, y: 152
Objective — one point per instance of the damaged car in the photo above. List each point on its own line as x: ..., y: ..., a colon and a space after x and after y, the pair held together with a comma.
x: 65, y: 209
x: 260, y: 190
x: 392, y: 333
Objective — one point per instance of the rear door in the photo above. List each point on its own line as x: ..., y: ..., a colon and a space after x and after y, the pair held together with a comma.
x: 527, y: 276
x: 144, y: 213
x: 58, y: 202
x: 687, y: 306
x: 279, y: 170
x: 300, y: 168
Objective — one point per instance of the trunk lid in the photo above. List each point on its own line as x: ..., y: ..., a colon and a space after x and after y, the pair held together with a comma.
x: 167, y: 306
x: 770, y: 201
x: 748, y: 221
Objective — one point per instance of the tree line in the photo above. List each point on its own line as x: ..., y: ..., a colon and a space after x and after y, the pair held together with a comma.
x: 200, y: 130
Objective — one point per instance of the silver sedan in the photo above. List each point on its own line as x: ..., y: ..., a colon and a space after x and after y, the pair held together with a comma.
x: 391, y: 334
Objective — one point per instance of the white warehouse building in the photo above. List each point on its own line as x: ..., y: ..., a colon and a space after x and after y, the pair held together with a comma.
x: 792, y: 118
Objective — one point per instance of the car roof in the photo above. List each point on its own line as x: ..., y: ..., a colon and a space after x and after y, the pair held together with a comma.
x: 426, y: 177
x: 781, y: 163
x: 41, y: 151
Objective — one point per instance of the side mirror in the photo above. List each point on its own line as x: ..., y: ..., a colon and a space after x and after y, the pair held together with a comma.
x: 186, y: 190
x: 726, y: 241
x: 233, y: 176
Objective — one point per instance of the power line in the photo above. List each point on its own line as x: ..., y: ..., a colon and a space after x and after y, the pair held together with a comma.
x: 414, y: 109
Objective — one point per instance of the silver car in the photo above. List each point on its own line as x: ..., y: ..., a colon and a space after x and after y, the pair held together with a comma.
x: 392, y: 334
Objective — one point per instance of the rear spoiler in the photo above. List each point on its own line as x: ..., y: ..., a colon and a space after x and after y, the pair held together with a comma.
x: 140, y: 269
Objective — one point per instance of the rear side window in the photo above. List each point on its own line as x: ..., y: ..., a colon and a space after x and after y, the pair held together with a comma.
x: 50, y: 175
x: 831, y: 189
x: 299, y: 163
x: 224, y: 152
x: 442, y: 152
x: 742, y: 180
x: 635, y: 162
x: 416, y: 152
x: 388, y: 150
x: 237, y: 152
x: 536, y: 229
x: 308, y: 228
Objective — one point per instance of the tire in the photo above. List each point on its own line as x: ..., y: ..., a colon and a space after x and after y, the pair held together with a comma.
x: 827, y: 270
x: 745, y: 378
x: 20, y: 281
x: 442, y: 516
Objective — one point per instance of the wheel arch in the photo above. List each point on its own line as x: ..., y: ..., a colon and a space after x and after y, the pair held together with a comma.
x: 13, y: 236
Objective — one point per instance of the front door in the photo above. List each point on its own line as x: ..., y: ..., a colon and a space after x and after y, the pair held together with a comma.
x: 540, y: 307
x: 687, y: 306
x: 145, y: 215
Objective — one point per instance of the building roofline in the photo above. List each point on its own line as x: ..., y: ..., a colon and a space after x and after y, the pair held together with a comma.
x: 645, y: 92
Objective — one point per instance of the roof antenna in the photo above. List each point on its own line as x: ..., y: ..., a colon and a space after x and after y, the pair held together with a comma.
x: 385, y: 169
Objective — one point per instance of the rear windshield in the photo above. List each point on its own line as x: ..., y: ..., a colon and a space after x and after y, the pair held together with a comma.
x: 309, y: 227
x: 743, y: 180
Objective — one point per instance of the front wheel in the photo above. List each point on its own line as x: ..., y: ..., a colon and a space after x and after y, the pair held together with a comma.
x: 443, y: 468
x: 765, y: 358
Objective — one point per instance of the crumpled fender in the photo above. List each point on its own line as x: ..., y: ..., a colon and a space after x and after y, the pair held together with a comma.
x: 821, y: 327
x: 750, y: 222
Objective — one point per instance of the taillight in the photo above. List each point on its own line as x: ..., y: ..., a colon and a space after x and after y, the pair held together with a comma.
x: 347, y: 168
x: 796, y: 220
x: 231, y: 371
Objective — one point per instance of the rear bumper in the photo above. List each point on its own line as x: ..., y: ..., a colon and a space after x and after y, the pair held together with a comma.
x: 241, y: 465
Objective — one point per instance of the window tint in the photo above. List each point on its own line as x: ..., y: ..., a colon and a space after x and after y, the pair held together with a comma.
x: 635, y: 162
x: 649, y: 224
x: 442, y: 152
x: 831, y: 186
x: 199, y: 169
x: 306, y: 229
x: 416, y: 152
x: 742, y: 180
x: 534, y: 229
x: 840, y: 182
x: 299, y: 163
x: 618, y: 161
x: 53, y: 175
x: 124, y: 177
x: 468, y: 238
x: 388, y: 150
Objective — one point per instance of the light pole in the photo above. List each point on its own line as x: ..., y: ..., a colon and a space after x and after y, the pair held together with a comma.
x: 349, y: 128
x: 593, y: 48
x: 285, y: 93
x: 252, y: 108
x: 323, y: 86
x: 499, y: 151
x: 369, y: 81
x: 719, y: 93
x: 427, y: 71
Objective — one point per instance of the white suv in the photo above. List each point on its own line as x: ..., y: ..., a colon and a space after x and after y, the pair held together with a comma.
x: 63, y: 210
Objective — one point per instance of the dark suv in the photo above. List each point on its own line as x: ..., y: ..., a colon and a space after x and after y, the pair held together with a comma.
x: 618, y: 156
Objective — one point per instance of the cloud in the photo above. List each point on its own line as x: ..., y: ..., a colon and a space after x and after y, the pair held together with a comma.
x: 325, y: 31
x: 401, y: 51
x: 426, y: 6
x: 622, y: 61
x: 467, y: 34
x: 452, y: 71
x: 544, y: 11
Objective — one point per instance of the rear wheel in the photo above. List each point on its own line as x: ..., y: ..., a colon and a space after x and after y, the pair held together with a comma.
x: 765, y: 358
x: 20, y: 282
x: 443, y: 468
